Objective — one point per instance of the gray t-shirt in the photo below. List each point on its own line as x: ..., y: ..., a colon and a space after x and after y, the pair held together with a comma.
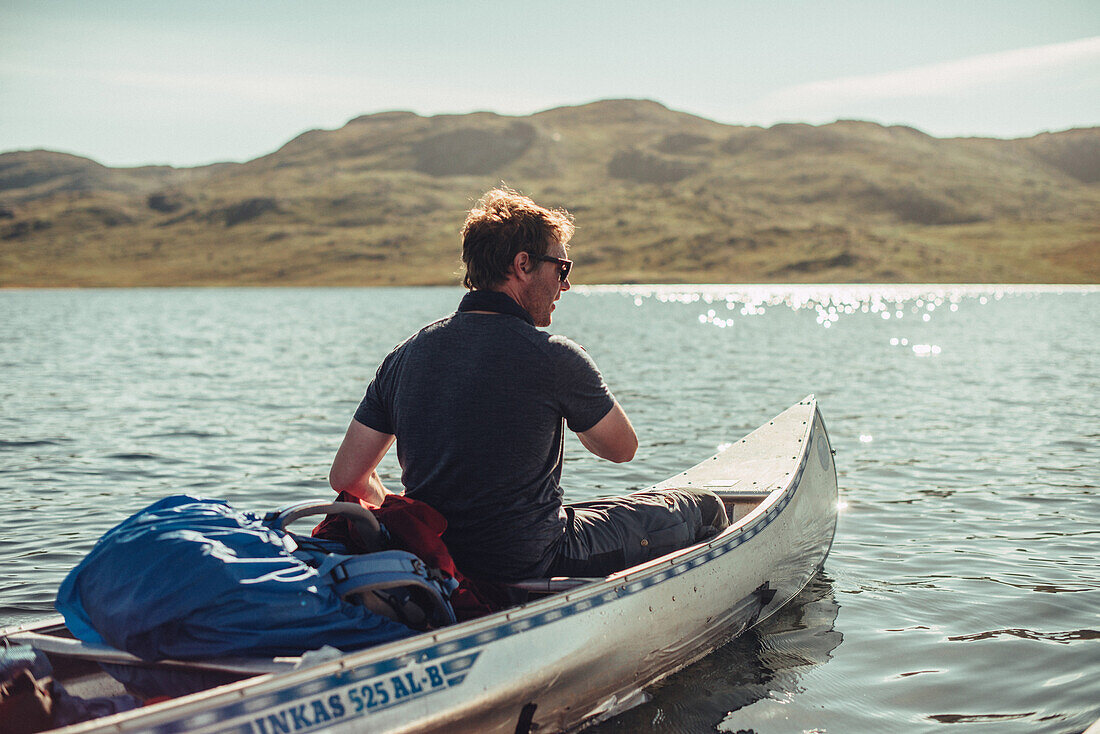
x: 477, y: 403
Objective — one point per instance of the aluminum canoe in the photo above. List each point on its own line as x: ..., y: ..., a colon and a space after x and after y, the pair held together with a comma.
x: 565, y: 659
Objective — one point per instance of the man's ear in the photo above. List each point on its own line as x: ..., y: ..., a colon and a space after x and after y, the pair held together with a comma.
x: 521, y: 266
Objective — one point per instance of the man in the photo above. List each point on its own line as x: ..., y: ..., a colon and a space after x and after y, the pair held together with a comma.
x: 477, y: 403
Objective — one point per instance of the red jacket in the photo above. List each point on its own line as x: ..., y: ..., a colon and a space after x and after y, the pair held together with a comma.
x: 417, y: 528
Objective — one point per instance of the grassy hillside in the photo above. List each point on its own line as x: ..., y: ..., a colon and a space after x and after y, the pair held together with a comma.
x: 659, y: 196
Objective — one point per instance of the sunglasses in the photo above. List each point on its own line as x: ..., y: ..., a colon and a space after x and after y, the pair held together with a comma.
x: 564, y: 266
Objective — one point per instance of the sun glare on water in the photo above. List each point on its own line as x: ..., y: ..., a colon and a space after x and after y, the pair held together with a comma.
x: 721, y: 306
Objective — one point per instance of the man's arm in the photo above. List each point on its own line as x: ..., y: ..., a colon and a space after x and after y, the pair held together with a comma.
x: 612, y: 438
x: 354, y: 468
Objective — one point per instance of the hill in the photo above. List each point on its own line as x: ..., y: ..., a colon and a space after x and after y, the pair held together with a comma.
x: 659, y: 196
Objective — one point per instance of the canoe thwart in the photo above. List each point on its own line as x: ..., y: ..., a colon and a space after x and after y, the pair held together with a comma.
x: 106, y: 654
x: 552, y: 585
x: 728, y: 490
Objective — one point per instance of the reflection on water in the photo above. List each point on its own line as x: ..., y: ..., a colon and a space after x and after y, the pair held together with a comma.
x: 962, y: 584
x: 763, y: 664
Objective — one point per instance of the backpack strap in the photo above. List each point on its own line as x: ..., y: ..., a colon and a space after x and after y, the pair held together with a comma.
x: 363, y: 519
x: 394, y: 583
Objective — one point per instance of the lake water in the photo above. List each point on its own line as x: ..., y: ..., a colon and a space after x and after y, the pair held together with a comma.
x: 962, y: 593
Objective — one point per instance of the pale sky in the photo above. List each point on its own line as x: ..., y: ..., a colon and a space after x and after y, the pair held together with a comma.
x: 130, y: 82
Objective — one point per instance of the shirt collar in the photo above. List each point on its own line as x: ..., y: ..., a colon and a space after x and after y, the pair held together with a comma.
x: 494, y: 301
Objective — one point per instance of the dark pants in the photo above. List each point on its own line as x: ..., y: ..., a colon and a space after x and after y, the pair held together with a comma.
x: 608, y: 535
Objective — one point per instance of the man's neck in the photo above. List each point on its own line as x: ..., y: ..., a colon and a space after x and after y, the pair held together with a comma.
x: 511, y: 289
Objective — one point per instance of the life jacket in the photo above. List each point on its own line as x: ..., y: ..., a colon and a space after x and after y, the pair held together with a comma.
x: 189, y: 578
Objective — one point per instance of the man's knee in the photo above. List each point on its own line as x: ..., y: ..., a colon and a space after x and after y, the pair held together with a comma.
x: 699, y: 509
x: 712, y: 511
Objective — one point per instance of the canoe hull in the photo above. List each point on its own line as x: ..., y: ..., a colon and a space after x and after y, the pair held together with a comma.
x: 574, y: 657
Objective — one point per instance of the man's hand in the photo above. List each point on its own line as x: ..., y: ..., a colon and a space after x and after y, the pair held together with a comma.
x: 354, y: 468
x: 613, y: 438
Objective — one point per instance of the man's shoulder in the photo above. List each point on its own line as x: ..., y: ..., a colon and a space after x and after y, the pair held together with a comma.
x: 426, y: 330
x: 555, y: 347
x: 440, y: 323
x: 564, y: 345
x: 569, y: 355
x: 414, y: 342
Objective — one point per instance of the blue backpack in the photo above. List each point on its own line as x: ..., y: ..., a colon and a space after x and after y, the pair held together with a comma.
x: 190, y: 578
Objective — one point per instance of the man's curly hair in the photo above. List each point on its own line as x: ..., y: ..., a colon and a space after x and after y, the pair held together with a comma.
x: 502, y: 224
